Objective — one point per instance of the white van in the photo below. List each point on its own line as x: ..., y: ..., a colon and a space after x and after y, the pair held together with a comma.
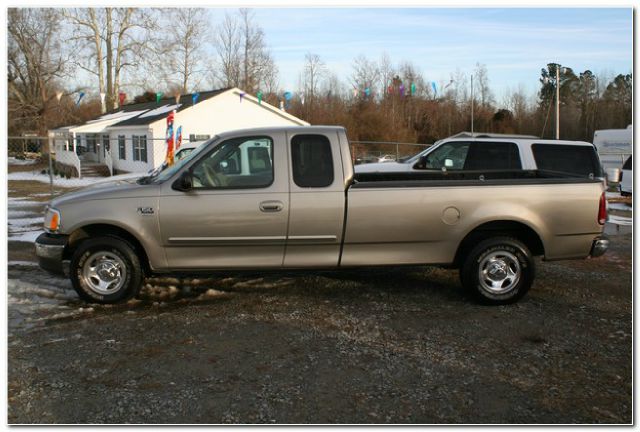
x: 614, y: 146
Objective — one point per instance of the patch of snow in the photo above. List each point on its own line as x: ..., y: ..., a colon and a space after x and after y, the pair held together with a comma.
x: 14, y: 161
x: 21, y: 202
x: 26, y: 221
x: 23, y: 263
x: 162, y: 110
x: 59, y: 181
x: 29, y: 236
x: 620, y: 206
x: 620, y: 220
x: 12, y: 214
x: 120, y: 116
x: 613, y: 195
x: 27, y: 291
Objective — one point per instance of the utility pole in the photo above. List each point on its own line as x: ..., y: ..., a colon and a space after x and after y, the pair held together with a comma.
x: 557, y: 101
x: 472, y: 100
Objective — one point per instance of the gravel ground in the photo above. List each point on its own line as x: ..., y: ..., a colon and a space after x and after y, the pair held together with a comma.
x: 397, y: 345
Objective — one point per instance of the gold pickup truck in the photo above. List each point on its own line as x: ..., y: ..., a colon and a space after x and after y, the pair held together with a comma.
x: 288, y: 198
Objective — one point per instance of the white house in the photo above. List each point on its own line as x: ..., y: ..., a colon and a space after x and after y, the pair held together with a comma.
x: 132, y: 138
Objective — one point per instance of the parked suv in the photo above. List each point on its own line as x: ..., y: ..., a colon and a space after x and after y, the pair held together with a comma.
x: 572, y: 157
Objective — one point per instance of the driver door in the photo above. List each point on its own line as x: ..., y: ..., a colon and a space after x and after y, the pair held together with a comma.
x: 236, y: 214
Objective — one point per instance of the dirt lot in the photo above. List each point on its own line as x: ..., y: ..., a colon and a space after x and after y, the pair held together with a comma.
x: 399, y: 345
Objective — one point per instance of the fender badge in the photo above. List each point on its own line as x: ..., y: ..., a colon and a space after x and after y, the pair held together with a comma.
x: 145, y: 210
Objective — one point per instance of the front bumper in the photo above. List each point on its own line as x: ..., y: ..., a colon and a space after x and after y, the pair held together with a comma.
x: 50, y: 250
x: 599, y: 246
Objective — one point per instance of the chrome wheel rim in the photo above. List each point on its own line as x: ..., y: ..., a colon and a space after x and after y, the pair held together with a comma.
x: 499, y: 272
x: 104, y: 272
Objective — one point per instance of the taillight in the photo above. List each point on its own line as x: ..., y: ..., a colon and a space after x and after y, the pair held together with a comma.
x: 602, y: 210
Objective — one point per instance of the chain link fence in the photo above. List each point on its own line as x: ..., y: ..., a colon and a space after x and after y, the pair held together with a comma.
x: 380, y: 151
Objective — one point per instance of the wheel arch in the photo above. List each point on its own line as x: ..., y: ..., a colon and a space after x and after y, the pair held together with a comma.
x: 109, y: 230
x: 511, y: 228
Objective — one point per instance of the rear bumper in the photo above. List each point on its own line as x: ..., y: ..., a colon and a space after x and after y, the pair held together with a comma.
x: 49, y: 250
x: 599, y: 246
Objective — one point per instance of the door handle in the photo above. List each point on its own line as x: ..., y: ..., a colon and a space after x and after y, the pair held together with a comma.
x: 271, y: 206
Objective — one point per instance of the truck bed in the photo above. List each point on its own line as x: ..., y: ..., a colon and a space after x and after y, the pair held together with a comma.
x: 465, y: 178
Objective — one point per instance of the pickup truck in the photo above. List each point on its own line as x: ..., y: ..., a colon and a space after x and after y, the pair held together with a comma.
x: 288, y: 198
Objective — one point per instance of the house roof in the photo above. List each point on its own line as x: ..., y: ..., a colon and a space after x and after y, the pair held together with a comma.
x: 154, y: 111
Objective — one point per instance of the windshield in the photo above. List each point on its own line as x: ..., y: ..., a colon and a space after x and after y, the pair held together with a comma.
x: 161, y: 176
x: 414, y: 159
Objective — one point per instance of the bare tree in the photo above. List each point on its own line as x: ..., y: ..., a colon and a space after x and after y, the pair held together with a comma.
x: 314, y: 70
x: 256, y: 58
x: 35, y: 63
x: 181, y: 52
x: 243, y: 55
x: 115, y: 39
x: 516, y: 102
x: 481, y: 83
x: 228, y: 42
x: 387, y: 72
x: 365, y: 74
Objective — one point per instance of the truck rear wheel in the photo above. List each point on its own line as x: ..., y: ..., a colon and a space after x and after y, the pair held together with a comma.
x: 498, y: 270
x: 105, y: 270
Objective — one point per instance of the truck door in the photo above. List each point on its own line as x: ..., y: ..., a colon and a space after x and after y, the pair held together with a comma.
x: 235, y: 216
x: 317, y: 200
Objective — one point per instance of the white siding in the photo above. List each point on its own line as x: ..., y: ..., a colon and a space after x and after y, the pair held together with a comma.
x: 128, y: 164
x: 223, y: 113
x: 220, y: 113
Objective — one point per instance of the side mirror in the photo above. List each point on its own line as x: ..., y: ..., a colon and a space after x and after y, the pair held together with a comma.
x: 422, y: 163
x: 184, y: 182
x: 448, y: 163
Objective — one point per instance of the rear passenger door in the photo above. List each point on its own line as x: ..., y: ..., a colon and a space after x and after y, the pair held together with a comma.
x: 317, y: 200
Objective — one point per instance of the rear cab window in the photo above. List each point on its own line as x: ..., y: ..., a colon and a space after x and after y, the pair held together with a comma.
x: 628, y: 164
x: 312, y: 161
x: 580, y: 160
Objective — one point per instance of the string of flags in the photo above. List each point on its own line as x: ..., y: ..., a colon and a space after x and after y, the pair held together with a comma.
x: 287, y: 96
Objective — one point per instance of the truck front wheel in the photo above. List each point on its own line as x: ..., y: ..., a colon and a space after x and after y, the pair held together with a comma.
x: 498, y: 270
x: 105, y: 270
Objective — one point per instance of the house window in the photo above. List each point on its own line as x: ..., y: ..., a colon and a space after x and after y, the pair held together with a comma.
x: 195, y: 138
x: 139, y: 147
x: 122, y: 150
x: 105, y: 143
x: 78, y: 143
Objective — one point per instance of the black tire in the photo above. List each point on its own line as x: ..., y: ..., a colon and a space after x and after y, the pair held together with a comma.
x: 500, y: 257
x: 119, y: 257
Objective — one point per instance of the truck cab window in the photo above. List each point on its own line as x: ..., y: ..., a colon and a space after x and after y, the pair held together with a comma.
x: 236, y: 163
x: 312, y: 161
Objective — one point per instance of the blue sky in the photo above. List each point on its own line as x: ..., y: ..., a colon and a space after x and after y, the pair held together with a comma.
x: 514, y: 43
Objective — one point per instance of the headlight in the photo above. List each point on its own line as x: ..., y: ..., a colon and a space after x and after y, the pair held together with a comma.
x: 52, y: 220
